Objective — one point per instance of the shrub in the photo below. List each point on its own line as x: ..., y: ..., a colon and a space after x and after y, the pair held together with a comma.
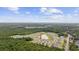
x: 28, y: 39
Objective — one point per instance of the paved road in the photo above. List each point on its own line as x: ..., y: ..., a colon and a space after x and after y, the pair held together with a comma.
x: 67, y: 43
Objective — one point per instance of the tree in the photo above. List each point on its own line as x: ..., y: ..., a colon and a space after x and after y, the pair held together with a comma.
x: 28, y: 39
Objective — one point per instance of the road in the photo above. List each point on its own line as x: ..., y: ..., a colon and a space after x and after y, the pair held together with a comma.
x: 67, y: 43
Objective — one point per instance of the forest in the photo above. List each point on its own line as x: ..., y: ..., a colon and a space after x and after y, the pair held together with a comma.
x: 11, y: 44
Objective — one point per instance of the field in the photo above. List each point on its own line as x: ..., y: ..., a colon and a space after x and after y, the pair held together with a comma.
x: 10, y: 44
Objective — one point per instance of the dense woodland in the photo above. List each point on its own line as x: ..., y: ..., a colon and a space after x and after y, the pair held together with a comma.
x: 10, y: 44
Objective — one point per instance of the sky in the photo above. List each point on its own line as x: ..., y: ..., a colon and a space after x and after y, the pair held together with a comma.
x: 39, y: 14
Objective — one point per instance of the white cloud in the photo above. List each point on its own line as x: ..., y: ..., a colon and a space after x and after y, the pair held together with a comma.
x: 50, y: 11
x: 43, y: 9
x: 56, y: 17
x: 76, y: 10
x: 28, y: 13
x: 76, y: 14
x: 53, y: 10
x: 52, y: 14
x: 14, y: 9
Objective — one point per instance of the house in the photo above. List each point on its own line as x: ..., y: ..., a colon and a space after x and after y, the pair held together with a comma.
x: 44, y: 37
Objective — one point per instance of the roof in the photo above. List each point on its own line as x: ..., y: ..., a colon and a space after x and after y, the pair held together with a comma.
x: 44, y: 36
